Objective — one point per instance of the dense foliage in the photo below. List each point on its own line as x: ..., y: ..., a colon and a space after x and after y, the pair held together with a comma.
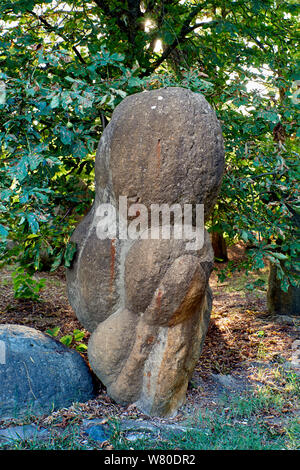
x: 65, y: 65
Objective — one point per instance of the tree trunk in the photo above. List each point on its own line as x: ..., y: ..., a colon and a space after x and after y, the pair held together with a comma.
x: 219, y: 246
x: 280, y: 302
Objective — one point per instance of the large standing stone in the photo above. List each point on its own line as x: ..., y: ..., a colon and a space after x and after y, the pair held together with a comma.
x: 147, y: 302
x: 38, y: 373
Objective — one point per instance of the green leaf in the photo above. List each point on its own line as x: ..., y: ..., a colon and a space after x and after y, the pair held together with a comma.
x: 284, y: 284
x: 26, y: 287
x: 2, y: 93
x: 6, y: 194
x: 70, y: 252
x: 168, y: 37
x: 57, y: 261
x: 81, y: 347
x: 3, y: 232
x: 79, y: 150
x: 78, y: 335
x: 54, y: 331
x: 19, y: 171
x: 117, y: 57
x: 54, y: 102
x: 271, y: 116
x: 121, y: 93
x: 280, y: 256
x: 134, y: 82
x: 104, y: 99
x: 67, y: 340
x: 244, y: 236
x: 33, y: 223
x: 66, y: 99
x: 260, y: 334
x: 66, y: 135
x: 272, y: 259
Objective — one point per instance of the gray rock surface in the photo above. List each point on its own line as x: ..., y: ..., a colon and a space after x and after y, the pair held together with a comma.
x: 229, y: 384
x: 98, y: 433
x: 38, y: 373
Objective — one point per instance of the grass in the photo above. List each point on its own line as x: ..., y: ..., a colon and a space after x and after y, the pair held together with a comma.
x: 293, y: 433
x: 69, y: 439
x: 238, y: 423
x: 215, y: 433
x: 237, y: 428
x: 244, y: 282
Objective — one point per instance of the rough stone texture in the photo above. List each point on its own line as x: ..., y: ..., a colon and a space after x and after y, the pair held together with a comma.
x: 98, y: 433
x: 38, y: 373
x: 162, y: 146
x: 147, y: 302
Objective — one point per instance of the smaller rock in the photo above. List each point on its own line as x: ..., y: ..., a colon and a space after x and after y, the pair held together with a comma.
x: 228, y: 383
x: 98, y: 433
x: 286, y: 319
x: 135, y: 436
x: 28, y: 431
x: 39, y: 374
x: 145, y: 427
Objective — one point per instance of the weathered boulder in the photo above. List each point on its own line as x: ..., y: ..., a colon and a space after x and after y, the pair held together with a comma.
x: 38, y: 373
x: 146, y: 353
x: 147, y: 301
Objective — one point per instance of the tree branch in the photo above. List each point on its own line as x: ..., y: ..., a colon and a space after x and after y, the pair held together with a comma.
x: 51, y: 28
x: 104, y: 5
x: 185, y: 29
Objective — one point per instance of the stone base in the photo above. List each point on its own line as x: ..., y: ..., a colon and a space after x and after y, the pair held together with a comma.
x: 146, y: 364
